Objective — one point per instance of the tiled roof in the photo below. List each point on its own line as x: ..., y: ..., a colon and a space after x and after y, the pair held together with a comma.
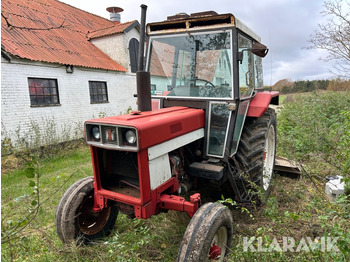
x: 113, y: 29
x: 54, y: 32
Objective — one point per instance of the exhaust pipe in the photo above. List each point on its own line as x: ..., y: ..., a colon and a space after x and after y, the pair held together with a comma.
x: 142, y: 37
x: 143, y: 78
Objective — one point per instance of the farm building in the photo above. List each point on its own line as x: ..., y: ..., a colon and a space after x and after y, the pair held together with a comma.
x: 61, y: 66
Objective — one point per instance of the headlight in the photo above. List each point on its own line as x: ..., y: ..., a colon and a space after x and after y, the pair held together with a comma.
x: 95, y: 133
x: 112, y: 136
x: 130, y: 137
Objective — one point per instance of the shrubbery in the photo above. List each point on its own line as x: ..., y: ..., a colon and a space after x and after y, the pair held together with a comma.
x: 316, y: 129
x: 286, y: 86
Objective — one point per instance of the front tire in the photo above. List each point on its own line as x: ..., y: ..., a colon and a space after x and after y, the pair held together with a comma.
x: 61, y: 204
x: 208, y: 235
x: 75, y: 219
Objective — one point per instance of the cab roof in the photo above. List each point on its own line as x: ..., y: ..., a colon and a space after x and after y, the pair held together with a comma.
x: 199, y: 21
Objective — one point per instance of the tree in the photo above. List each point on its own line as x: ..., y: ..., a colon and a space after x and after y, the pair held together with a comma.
x: 334, y: 35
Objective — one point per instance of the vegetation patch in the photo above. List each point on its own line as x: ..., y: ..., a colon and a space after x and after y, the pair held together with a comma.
x: 286, y: 86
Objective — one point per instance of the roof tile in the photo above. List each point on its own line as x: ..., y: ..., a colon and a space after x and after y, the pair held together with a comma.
x: 115, y: 29
x: 54, y: 32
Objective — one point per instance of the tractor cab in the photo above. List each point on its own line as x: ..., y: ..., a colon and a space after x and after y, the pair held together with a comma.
x: 208, y: 61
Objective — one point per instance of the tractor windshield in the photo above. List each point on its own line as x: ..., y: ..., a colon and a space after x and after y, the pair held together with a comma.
x: 196, y: 65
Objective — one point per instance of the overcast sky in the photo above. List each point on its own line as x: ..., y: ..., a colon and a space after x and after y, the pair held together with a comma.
x: 284, y: 26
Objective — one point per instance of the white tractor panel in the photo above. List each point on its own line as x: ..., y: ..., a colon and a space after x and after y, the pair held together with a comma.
x: 158, y: 158
x: 159, y: 170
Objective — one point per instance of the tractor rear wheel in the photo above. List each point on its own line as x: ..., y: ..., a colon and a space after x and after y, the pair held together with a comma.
x: 257, y: 150
x: 75, y: 219
x: 208, y: 235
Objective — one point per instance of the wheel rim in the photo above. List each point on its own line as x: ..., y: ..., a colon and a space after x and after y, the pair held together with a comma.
x: 219, y: 243
x: 269, y: 156
x: 90, y: 222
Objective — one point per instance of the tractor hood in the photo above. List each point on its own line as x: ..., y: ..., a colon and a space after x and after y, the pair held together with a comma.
x: 150, y: 127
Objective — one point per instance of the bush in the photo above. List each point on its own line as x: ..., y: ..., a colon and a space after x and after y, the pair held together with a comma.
x: 316, y: 129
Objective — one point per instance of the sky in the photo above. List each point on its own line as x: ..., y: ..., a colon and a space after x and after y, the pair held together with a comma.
x: 285, y: 26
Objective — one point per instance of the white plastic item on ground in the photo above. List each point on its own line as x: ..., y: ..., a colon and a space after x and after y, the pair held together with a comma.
x: 334, y: 187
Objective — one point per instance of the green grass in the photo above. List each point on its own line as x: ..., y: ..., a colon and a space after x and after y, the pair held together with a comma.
x: 295, y: 208
x: 282, y: 98
x: 56, y: 175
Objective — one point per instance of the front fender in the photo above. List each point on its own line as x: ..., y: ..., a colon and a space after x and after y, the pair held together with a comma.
x: 261, y: 101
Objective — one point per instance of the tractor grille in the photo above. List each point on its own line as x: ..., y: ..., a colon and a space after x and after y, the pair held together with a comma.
x: 118, y: 169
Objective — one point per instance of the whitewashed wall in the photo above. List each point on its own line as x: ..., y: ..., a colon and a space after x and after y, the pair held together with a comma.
x: 20, y: 120
x: 117, y: 46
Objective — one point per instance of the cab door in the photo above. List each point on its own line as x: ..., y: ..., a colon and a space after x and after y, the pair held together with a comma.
x: 246, y: 87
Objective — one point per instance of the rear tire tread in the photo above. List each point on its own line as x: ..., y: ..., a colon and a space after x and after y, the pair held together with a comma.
x: 250, y: 153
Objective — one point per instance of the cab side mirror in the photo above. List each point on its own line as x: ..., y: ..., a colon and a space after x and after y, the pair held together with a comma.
x: 259, y: 49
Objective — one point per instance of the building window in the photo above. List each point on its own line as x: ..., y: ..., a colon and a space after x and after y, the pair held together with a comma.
x: 133, y: 53
x: 43, y: 92
x: 98, y: 92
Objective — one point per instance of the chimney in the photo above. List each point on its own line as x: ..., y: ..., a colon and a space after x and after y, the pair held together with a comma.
x: 114, y: 13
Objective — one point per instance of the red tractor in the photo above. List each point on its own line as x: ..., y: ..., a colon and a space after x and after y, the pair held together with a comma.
x: 204, y: 124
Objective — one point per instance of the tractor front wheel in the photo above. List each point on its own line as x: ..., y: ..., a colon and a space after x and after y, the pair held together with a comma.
x: 75, y: 219
x: 63, y: 201
x: 208, y: 235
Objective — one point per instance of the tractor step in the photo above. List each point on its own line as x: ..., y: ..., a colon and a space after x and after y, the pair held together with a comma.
x: 205, y: 170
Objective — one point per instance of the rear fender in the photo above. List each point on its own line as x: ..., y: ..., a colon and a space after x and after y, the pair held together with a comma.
x: 261, y: 102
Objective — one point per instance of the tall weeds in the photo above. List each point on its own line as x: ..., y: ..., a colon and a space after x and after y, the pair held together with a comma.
x: 44, y: 137
x: 315, y: 129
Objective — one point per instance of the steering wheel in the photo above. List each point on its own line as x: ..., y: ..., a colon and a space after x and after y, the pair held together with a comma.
x: 201, y: 79
x: 206, y: 90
